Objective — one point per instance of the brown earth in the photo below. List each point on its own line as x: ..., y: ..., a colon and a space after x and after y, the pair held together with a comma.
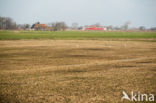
x: 75, y: 71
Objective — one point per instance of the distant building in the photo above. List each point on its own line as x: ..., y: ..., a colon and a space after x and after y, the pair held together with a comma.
x: 95, y: 28
x: 40, y: 27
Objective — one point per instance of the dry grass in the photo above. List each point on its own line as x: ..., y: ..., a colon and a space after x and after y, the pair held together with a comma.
x: 75, y: 71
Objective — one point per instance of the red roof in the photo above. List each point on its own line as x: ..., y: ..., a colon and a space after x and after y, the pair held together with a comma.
x: 43, y: 26
x: 94, y: 28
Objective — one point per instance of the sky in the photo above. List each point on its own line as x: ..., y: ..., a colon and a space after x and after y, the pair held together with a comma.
x: 83, y: 12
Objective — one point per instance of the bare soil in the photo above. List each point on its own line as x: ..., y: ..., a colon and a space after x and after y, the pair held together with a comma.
x: 75, y: 71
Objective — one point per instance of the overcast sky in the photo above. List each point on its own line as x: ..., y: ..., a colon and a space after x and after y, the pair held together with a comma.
x: 84, y: 12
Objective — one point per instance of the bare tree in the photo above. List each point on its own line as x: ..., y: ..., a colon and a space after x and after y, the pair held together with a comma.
x: 7, y: 23
x: 153, y: 28
x: 23, y: 26
x: 74, y: 26
x: 58, y: 26
x: 126, y: 25
x: 63, y: 26
x: 142, y: 28
x: 97, y: 25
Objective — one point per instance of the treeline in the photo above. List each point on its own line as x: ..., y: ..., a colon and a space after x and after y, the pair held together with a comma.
x: 7, y: 23
x: 57, y: 26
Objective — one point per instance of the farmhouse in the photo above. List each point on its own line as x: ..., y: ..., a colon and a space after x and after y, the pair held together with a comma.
x: 40, y: 27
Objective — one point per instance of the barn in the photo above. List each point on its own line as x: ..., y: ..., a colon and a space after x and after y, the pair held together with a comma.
x: 94, y: 28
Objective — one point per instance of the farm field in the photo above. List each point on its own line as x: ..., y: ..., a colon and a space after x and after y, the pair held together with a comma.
x: 76, y: 35
x: 77, y: 51
x: 75, y: 71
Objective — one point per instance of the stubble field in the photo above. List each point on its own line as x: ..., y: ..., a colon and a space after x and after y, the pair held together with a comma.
x: 75, y: 71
